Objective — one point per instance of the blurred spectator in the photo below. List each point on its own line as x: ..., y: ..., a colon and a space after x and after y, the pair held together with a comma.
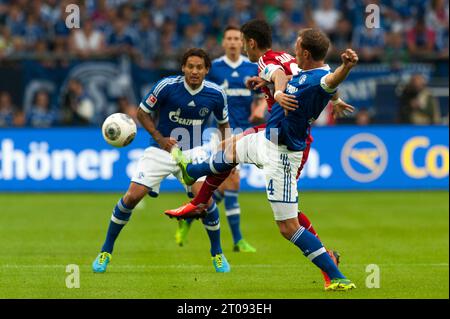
x: 161, y: 11
x: 437, y: 15
x: 41, y: 113
x: 33, y: 31
x: 295, y: 11
x: 271, y: 10
x: 241, y: 11
x: 77, y: 107
x: 6, y: 43
x: 437, y: 19
x: 60, y: 30
x: 15, y: 21
x: 3, y: 11
x: 341, y: 39
x: 396, y: 53
x: 194, y: 15
x: 362, y: 117
x: 100, y: 14
x: 212, y: 46
x: 147, y: 39
x: 120, y: 42
x: 124, y: 106
x: 6, y: 110
x: 418, y: 106
x: 369, y: 42
x: 421, y: 39
x: 50, y: 11
x: 327, y: 16
x: 193, y: 36
x: 86, y: 41
x: 284, y: 36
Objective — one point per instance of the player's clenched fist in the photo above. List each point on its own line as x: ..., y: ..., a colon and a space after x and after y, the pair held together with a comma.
x: 349, y: 58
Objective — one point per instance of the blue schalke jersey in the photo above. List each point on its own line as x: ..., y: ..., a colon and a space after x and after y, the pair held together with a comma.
x: 231, y: 77
x: 312, y: 96
x: 183, y: 113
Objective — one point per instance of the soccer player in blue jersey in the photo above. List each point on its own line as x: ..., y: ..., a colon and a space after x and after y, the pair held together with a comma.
x: 279, y: 148
x: 245, y: 109
x: 175, y: 113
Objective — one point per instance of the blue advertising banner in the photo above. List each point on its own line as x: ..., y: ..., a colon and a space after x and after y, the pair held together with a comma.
x: 342, y: 158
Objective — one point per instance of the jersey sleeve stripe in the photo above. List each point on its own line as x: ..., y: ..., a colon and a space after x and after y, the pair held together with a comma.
x: 164, y: 83
x: 144, y: 107
x: 324, y: 85
x: 222, y: 121
x: 161, y: 83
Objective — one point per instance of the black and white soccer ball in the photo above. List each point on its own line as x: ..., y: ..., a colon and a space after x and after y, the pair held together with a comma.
x: 119, y: 129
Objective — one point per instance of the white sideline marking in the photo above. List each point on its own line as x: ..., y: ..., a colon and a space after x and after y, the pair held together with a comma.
x: 207, y: 266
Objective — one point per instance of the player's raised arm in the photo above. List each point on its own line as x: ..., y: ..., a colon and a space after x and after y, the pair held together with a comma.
x: 349, y: 60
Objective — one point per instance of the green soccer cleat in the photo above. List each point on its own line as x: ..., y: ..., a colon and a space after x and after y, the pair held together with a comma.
x: 340, y: 284
x: 182, y: 163
x: 243, y: 246
x: 220, y: 263
x: 101, y: 262
x: 182, y: 232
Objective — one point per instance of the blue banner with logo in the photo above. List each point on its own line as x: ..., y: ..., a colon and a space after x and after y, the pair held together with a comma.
x: 341, y: 158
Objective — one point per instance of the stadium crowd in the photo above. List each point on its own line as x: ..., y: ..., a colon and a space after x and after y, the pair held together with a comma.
x: 154, y: 32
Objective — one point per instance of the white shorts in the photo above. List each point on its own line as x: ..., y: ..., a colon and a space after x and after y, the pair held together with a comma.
x: 280, y: 167
x: 156, y: 164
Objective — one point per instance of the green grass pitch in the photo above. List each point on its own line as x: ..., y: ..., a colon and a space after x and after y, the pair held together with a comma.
x: 404, y: 233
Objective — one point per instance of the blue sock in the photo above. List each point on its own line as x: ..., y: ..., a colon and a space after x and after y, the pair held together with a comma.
x: 212, y: 226
x: 215, y: 164
x: 121, y: 215
x: 233, y: 213
x: 313, y: 249
x: 217, y: 196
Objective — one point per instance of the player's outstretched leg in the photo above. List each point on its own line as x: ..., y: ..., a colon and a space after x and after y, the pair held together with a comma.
x: 212, y: 226
x: 197, y: 206
x: 217, y: 163
x: 313, y: 249
x: 120, y: 217
x: 306, y: 223
x: 217, y: 167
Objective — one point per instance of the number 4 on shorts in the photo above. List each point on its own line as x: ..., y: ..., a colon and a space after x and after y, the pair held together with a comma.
x: 270, y: 187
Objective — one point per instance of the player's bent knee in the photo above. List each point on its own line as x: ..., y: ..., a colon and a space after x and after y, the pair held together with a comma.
x: 134, y: 194
x: 288, y: 227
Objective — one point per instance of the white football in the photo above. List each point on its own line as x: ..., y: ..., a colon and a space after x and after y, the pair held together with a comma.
x: 119, y: 129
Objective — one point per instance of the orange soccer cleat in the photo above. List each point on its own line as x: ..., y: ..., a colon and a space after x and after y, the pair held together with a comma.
x: 187, y: 211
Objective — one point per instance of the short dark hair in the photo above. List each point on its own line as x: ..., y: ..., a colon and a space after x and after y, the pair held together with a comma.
x: 231, y: 27
x: 316, y: 42
x: 196, y: 52
x: 260, y: 31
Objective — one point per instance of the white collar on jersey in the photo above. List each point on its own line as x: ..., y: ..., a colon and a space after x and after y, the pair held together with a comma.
x: 233, y: 64
x: 191, y: 91
x: 326, y: 67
